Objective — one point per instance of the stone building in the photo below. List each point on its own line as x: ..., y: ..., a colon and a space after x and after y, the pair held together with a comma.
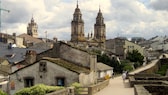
x: 75, y: 55
x: 48, y: 71
x: 13, y: 39
x: 99, y: 28
x: 121, y: 47
x: 103, y: 70
x: 77, y: 26
x: 5, y: 67
x: 32, y: 28
x: 78, y: 34
x: 29, y: 41
x: 62, y: 65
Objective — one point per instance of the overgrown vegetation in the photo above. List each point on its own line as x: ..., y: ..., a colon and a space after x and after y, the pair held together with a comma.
x: 39, y: 89
x: 2, y: 93
x: 113, y: 62
x: 127, y: 65
x: 135, y: 57
x: 163, y: 69
x: 78, y: 87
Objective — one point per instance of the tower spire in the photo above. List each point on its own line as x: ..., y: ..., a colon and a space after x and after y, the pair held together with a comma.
x: 77, y: 4
x: 32, y: 20
x: 99, y: 8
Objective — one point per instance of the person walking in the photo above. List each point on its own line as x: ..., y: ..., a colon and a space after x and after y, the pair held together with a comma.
x: 124, y: 76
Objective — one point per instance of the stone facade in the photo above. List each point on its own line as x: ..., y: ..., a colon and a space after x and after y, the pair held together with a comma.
x: 77, y: 30
x: 100, y: 28
x: 32, y: 29
x: 5, y: 67
x: 75, y: 55
x: 148, y: 83
x: 77, y: 26
x: 13, y: 39
x: 49, y: 76
x: 120, y: 47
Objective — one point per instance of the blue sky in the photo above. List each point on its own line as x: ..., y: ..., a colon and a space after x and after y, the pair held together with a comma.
x: 126, y: 18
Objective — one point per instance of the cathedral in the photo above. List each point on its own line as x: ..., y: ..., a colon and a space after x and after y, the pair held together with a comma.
x: 92, y: 40
x: 32, y: 29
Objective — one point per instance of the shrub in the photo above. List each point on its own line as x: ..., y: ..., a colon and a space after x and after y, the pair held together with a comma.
x: 2, y: 93
x: 39, y: 89
x: 77, y: 87
x: 128, y: 68
x: 162, y: 70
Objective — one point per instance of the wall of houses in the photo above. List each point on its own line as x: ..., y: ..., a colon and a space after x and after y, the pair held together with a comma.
x: 5, y: 67
x: 19, y: 41
x: 121, y: 46
x: 49, y: 77
x: 129, y: 46
x: 75, y: 55
x: 110, y: 45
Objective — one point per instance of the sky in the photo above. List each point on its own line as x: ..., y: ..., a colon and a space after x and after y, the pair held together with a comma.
x: 123, y: 18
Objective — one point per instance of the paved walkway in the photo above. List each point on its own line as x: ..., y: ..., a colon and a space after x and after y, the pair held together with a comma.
x: 145, y: 67
x: 117, y: 87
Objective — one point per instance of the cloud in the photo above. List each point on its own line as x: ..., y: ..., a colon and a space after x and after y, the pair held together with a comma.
x: 159, y: 4
x: 128, y: 18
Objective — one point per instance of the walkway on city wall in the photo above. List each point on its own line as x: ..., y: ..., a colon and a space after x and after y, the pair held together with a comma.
x: 118, y: 87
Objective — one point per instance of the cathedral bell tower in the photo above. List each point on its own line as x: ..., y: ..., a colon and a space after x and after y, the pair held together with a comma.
x: 32, y: 29
x: 99, y: 28
x: 77, y: 26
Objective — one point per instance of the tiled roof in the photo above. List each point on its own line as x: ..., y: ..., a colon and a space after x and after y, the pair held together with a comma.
x: 17, y: 54
x: 62, y: 63
x: 78, y: 48
x: 103, y: 67
x: 42, y: 45
x: 68, y: 65
x: 2, y: 59
x: 29, y: 38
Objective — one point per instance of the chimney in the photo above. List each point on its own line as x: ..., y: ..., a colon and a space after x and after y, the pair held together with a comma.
x: 14, y: 34
x: 30, y: 56
x: 10, y: 46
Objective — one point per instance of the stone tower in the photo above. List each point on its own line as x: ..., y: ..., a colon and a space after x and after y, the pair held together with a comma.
x: 99, y: 28
x: 32, y: 28
x: 77, y: 26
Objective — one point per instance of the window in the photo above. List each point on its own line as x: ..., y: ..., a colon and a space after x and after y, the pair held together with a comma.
x: 28, y: 81
x: 60, y: 81
x: 42, y: 66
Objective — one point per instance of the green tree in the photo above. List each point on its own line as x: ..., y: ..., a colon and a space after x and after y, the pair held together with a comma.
x: 110, y: 62
x: 135, y: 57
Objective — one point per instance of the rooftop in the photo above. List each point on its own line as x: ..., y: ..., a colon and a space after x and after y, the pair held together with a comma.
x: 15, y: 55
x: 62, y: 63
x: 68, y: 65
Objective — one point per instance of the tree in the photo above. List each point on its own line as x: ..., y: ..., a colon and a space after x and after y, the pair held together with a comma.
x: 110, y: 62
x: 135, y: 57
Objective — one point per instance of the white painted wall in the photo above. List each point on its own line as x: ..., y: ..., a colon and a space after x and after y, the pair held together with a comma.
x: 103, y: 73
